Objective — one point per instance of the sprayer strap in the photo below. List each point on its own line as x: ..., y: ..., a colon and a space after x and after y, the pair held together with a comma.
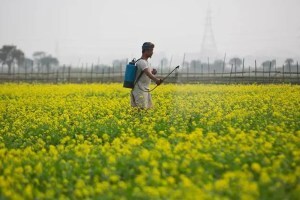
x: 138, y: 78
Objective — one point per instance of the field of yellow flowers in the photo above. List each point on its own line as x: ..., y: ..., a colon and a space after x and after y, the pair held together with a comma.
x: 198, y: 142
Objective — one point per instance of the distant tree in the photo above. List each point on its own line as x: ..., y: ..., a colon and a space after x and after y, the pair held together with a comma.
x: 10, y: 54
x: 236, y: 62
x: 217, y: 65
x: 289, y: 61
x: 48, y: 62
x: 19, y: 56
x: 116, y: 63
x: 266, y: 64
x: 119, y: 64
x: 273, y: 64
x: 195, y: 65
x: 28, y: 64
x: 101, y: 67
x: 44, y: 61
x: 37, y: 56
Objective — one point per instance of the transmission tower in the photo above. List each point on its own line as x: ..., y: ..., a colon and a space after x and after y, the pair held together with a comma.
x: 209, y: 47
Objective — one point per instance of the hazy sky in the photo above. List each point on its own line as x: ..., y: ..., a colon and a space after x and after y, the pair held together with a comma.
x: 83, y: 31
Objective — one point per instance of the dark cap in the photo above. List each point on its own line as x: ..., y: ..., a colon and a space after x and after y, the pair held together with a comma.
x: 147, y: 46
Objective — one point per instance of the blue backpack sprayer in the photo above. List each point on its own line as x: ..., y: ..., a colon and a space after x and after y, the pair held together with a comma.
x: 130, y: 75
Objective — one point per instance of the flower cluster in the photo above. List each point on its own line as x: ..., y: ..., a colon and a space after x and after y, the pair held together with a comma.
x: 198, y: 142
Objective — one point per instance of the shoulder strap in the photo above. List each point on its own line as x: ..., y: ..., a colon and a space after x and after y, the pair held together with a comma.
x: 138, y: 78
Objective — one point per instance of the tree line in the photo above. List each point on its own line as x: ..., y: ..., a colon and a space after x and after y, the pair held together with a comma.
x: 11, y: 56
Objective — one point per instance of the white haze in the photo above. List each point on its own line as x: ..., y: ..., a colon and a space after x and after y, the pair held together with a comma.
x: 92, y: 31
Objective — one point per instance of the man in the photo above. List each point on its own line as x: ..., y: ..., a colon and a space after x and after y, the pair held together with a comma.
x: 140, y: 95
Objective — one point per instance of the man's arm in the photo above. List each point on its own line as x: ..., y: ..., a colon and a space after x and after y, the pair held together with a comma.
x: 152, y: 77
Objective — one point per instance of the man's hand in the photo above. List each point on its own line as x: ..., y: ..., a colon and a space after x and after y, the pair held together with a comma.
x: 158, y: 81
x: 154, y: 71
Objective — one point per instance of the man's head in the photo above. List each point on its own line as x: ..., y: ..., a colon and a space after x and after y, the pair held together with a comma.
x: 147, y: 49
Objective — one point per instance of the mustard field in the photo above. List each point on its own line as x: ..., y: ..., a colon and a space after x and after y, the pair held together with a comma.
x: 198, y: 142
